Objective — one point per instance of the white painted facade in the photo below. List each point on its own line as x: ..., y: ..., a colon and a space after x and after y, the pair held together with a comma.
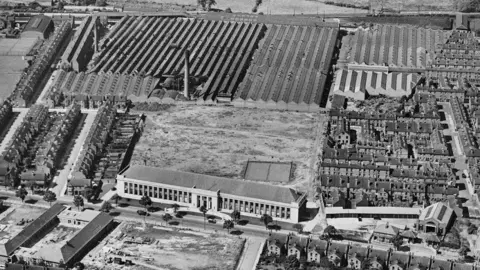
x: 216, y: 201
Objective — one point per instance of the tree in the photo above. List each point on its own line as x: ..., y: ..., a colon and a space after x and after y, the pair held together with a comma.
x: 397, y: 241
x: 106, y: 207
x: 167, y: 217
x: 206, y: 4
x: 60, y: 5
x: 175, y: 207
x: 330, y: 231
x: 21, y: 193
x: 228, y: 224
x: 79, y: 266
x: 78, y: 201
x: 100, y: 3
x: 298, y: 227
x: 472, y: 229
x: 116, y: 198
x: 88, y: 193
x: 49, y: 197
x: 266, y: 219
x: 463, y: 251
x: 235, y: 215
x: 145, y: 201
x: 292, y: 262
x: 228, y: 10
x: 204, y: 210
x: 469, y: 6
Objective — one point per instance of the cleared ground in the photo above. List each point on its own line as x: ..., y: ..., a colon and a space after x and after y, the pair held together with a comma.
x: 11, y: 69
x: 9, y: 224
x: 406, y: 5
x: 245, y: 6
x: 220, y: 140
x: 168, y: 250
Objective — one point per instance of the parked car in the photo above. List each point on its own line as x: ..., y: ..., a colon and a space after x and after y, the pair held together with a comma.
x: 142, y: 213
x: 212, y: 220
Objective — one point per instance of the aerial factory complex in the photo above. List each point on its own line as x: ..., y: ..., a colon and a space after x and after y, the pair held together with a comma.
x: 170, y: 136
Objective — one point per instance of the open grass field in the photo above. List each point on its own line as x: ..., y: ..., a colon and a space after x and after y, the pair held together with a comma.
x: 243, y: 6
x: 406, y: 5
x: 220, y: 140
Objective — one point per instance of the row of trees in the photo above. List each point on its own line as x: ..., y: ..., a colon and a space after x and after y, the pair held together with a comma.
x: 48, y: 196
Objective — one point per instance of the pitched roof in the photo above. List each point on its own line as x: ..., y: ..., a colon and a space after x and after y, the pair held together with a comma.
x: 212, y: 183
x: 31, y: 229
x: 440, y: 212
x: 84, y: 236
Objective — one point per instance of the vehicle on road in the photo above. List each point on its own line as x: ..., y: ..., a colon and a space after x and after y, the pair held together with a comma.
x: 142, y: 213
x: 212, y: 220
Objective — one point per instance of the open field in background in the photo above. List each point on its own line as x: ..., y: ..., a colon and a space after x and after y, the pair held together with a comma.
x: 244, y: 6
x: 220, y: 140
x: 436, y: 22
x: 406, y: 5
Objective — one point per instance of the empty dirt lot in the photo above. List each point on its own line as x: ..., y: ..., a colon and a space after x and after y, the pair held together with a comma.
x: 220, y: 140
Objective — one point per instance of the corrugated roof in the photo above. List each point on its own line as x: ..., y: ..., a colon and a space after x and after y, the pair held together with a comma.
x: 10, y: 246
x: 212, y: 183
x: 84, y: 236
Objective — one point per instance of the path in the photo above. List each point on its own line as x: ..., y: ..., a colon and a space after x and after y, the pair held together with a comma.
x: 251, y: 253
x: 12, y: 130
x: 65, y: 173
x: 46, y: 88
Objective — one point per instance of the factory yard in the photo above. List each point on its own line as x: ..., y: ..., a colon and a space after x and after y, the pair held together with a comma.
x: 11, y: 219
x: 164, y: 249
x: 10, y: 74
x: 220, y: 140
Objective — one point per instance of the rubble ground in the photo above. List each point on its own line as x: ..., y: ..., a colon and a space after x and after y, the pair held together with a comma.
x: 13, y: 215
x: 219, y: 141
x: 168, y: 250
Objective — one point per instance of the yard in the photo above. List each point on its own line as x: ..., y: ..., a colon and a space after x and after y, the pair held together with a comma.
x: 11, y: 219
x: 10, y: 73
x: 169, y: 250
x: 220, y: 140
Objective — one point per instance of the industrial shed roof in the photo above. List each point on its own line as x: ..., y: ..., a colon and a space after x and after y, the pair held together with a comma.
x: 212, y: 183
x: 30, y: 230
x: 38, y: 23
x: 84, y: 236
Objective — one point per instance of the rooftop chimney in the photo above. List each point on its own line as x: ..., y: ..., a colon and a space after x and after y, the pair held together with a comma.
x: 95, y: 36
x: 186, y: 81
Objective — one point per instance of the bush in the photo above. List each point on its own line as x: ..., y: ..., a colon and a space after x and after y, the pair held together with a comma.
x: 228, y: 10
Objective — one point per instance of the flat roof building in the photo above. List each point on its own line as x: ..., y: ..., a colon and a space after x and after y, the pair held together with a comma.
x: 215, y: 193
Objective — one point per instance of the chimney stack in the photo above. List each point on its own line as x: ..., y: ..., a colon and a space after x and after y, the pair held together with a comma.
x: 95, y: 36
x: 186, y: 81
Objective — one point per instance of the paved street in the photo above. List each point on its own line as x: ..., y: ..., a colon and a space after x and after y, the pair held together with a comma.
x: 251, y: 253
x: 64, y: 175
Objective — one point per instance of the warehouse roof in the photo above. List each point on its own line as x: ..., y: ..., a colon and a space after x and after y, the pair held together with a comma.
x: 212, y: 183
x: 30, y: 230
x: 38, y: 23
x: 84, y: 236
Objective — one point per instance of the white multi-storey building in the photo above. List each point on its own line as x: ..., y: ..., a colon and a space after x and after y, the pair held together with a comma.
x: 215, y: 193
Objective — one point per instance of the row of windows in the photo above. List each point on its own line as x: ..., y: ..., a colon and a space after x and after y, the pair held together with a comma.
x: 355, y: 215
x: 158, y: 193
x: 255, y: 208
